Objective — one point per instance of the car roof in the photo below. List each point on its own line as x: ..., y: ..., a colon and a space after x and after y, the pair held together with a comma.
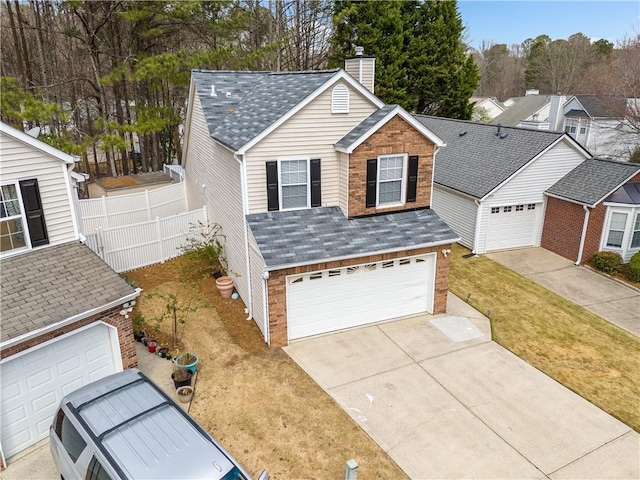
x: 143, y: 432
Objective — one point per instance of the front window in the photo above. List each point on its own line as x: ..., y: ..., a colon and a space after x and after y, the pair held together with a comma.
x: 616, y: 230
x: 571, y: 126
x: 635, y: 239
x: 12, y: 234
x: 391, y: 179
x: 294, y: 184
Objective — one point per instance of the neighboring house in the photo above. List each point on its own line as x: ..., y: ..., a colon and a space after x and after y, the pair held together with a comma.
x: 596, y: 206
x: 598, y: 123
x: 323, y: 194
x: 61, y: 305
x: 488, y: 107
x: 530, y: 111
x: 489, y: 180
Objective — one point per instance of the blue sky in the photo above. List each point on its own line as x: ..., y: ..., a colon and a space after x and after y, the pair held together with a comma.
x: 514, y: 21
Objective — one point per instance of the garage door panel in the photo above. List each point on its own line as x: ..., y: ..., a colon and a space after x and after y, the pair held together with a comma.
x: 513, y: 226
x: 325, y: 301
x: 34, y: 383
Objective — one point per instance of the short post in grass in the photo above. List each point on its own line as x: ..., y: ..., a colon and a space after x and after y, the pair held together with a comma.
x: 351, y: 471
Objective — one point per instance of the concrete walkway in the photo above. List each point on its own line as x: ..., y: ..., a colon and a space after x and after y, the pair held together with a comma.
x: 36, y: 462
x: 444, y: 401
x: 615, y: 302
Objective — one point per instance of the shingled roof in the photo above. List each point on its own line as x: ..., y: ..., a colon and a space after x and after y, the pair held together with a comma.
x: 476, y: 159
x: 299, y: 237
x: 364, y: 126
x: 47, y: 286
x: 593, y: 180
x: 522, y: 109
x: 603, y: 106
x: 245, y: 104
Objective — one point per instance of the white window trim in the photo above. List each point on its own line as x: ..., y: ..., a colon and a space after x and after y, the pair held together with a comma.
x: 635, y: 216
x: 23, y: 217
x: 289, y: 159
x: 625, y: 250
x: 342, y: 90
x: 403, y: 180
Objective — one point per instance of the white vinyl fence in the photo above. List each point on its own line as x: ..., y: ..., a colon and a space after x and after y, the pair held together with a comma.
x: 134, y: 246
x: 108, y: 212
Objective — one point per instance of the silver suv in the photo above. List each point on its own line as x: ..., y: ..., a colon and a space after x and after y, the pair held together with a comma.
x: 125, y: 427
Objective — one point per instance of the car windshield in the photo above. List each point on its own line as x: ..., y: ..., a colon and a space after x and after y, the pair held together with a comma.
x: 234, y: 474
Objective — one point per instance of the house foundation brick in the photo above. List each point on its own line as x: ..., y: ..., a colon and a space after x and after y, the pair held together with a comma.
x: 112, y: 317
x: 276, y: 286
x: 397, y: 136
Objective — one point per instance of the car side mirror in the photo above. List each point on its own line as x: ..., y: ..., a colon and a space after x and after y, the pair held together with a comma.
x: 264, y: 475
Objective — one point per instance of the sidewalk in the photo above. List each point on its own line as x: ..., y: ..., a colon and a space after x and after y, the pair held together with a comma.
x: 615, y: 302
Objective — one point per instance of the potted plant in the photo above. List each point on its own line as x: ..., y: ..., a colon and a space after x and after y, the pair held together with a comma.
x: 184, y: 393
x: 181, y: 377
x: 151, y: 345
x: 225, y: 286
x: 138, y: 326
x: 188, y: 361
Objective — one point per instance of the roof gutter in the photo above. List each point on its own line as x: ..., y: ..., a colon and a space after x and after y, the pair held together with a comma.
x: 584, y: 234
x: 243, y: 193
x: 271, y: 268
x: 68, y: 321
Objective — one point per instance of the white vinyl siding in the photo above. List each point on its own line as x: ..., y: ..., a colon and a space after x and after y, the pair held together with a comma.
x: 528, y: 186
x: 343, y: 182
x: 458, y: 211
x: 213, y: 179
x: 310, y: 133
x: 21, y: 161
x: 258, y: 296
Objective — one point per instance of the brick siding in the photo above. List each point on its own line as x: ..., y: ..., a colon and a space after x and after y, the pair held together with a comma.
x: 276, y: 286
x: 396, y: 136
x: 111, y: 316
x: 563, y: 223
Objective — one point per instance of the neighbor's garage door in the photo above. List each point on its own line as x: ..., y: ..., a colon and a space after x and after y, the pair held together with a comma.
x: 329, y: 300
x: 34, y: 383
x: 513, y: 226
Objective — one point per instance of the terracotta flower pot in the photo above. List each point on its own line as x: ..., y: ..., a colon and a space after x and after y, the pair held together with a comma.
x: 225, y: 286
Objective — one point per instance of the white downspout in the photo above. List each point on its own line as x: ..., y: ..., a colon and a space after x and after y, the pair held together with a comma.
x: 243, y: 193
x: 476, y: 236
x: 265, y: 278
x: 584, y: 234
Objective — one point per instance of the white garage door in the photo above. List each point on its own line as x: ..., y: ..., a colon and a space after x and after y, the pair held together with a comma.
x: 513, y: 226
x: 329, y: 300
x: 34, y: 383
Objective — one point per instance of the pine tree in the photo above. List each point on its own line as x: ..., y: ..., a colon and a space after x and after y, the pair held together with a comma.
x: 421, y: 61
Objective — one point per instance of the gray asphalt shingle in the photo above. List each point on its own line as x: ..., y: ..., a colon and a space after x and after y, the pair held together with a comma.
x: 247, y: 103
x: 364, y: 126
x: 476, y: 160
x: 603, y: 106
x: 593, y: 180
x: 522, y: 109
x: 49, y: 285
x: 319, y: 234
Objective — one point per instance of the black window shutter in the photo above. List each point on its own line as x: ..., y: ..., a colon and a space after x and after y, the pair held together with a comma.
x: 412, y: 179
x: 272, y: 186
x: 372, y: 173
x: 34, y: 213
x: 316, y: 187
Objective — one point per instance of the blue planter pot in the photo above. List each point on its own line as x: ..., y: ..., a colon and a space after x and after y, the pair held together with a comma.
x: 192, y: 367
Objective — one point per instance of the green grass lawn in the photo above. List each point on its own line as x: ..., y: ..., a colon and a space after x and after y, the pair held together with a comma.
x: 592, y: 357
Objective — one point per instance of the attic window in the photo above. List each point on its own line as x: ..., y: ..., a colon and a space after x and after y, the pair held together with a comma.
x: 340, y: 99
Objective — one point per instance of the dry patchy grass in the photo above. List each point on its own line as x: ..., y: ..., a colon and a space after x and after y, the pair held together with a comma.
x: 587, y: 354
x: 254, y: 399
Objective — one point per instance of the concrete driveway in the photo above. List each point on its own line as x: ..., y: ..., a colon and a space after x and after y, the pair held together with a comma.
x: 444, y: 401
x: 611, y: 300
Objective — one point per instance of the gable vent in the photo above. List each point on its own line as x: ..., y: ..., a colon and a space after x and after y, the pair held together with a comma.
x: 340, y: 99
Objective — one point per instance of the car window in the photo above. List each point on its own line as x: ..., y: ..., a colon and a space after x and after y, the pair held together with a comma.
x: 73, y: 443
x: 96, y: 471
x: 234, y: 474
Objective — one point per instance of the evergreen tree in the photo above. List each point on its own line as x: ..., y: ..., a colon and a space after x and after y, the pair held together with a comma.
x: 421, y: 62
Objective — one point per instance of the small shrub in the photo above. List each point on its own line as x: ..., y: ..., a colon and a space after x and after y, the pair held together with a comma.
x: 633, y: 273
x: 203, y: 252
x: 608, y: 262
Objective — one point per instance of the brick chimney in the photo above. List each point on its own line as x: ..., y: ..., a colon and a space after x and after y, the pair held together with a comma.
x: 362, y: 68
